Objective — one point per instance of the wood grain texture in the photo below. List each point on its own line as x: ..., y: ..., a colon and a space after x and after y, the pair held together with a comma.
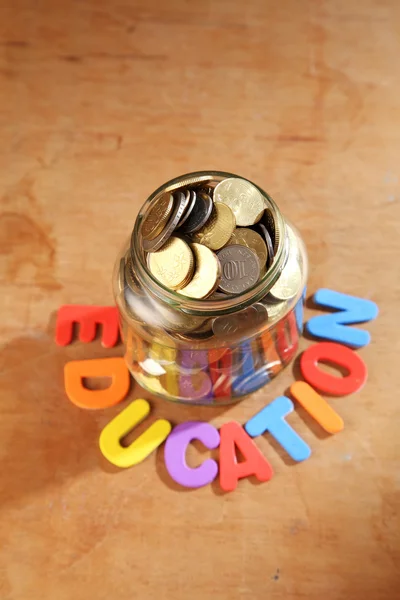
x: 101, y: 102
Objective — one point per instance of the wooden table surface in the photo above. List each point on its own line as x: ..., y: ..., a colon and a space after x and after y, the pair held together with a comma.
x: 101, y: 102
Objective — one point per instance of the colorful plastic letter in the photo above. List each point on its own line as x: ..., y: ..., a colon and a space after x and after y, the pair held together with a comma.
x: 166, y: 359
x: 317, y: 407
x: 230, y: 470
x: 194, y: 382
x: 287, y: 337
x: 220, y: 365
x: 249, y: 378
x: 334, y: 326
x: 136, y: 349
x: 121, y: 425
x: 336, y: 354
x: 88, y: 317
x: 76, y: 370
x: 272, y: 419
x: 271, y: 355
x: 175, y: 450
x: 299, y: 314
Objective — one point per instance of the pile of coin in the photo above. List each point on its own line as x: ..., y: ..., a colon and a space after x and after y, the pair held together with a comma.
x: 209, y: 242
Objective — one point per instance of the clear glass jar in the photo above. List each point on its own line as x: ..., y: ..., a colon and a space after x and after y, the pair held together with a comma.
x: 218, y: 350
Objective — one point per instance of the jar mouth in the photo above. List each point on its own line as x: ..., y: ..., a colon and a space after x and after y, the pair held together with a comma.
x: 232, y: 303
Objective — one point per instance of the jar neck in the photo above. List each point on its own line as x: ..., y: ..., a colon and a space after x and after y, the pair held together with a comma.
x: 206, y: 307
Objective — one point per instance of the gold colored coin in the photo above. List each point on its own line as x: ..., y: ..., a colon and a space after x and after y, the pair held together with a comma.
x: 243, y: 198
x: 206, y: 275
x: 157, y: 216
x: 191, y: 323
x: 173, y: 264
x: 288, y: 283
x: 190, y: 181
x: 263, y: 271
x: 269, y: 222
x: 130, y: 277
x: 151, y: 383
x: 293, y: 242
x: 276, y: 311
x: 253, y: 240
x: 121, y: 276
x: 218, y: 229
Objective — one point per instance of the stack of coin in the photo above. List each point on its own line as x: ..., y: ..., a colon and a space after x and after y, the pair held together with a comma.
x: 211, y: 239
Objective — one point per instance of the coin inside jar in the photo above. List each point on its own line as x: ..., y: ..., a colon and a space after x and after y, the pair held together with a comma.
x: 130, y: 278
x: 195, y: 336
x: 121, y: 275
x: 253, y: 240
x: 177, y: 320
x: 157, y: 216
x: 243, y: 198
x: 199, y: 214
x: 180, y: 203
x: 230, y: 325
x: 172, y: 265
x: 293, y: 243
x: 268, y: 241
x: 240, y: 269
x: 288, y: 283
x: 218, y: 229
x: 269, y: 222
x: 275, y: 310
x: 206, y: 275
x: 191, y: 195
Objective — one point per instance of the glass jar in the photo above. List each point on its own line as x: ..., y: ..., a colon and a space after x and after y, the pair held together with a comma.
x: 218, y: 350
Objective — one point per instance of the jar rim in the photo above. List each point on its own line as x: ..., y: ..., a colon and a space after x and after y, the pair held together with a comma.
x: 232, y: 303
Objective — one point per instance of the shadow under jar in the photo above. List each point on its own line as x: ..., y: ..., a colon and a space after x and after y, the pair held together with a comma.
x: 218, y: 349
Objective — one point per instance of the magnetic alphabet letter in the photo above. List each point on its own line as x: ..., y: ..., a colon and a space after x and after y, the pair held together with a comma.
x: 336, y: 354
x: 88, y: 317
x: 334, y: 326
x: 317, y: 407
x: 76, y: 370
x: 272, y: 418
x: 230, y: 470
x: 175, y: 450
x: 143, y: 446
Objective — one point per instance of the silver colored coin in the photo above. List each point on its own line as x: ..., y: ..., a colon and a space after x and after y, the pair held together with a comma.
x: 265, y: 234
x: 191, y: 195
x: 242, y: 322
x: 288, y: 283
x: 240, y: 268
x: 194, y: 336
x: 218, y: 296
x: 181, y: 201
x: 269, y: 222
x: 208, y: 190
x: 207, y: 326
x: 199, y: 215
x: 204, y: 334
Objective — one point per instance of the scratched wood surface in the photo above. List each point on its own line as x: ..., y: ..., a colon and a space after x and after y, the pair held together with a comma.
x: 100, y: 102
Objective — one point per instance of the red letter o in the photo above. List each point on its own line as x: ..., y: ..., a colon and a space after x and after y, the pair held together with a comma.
x: 342, y: 356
